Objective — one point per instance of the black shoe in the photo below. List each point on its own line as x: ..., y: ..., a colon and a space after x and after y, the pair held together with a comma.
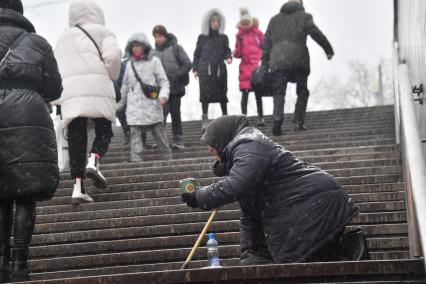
x: 260, y: 121
x: 178, y: 143
x: 126, y: 138
x: 276, y: 129
x: 20, y: 265
x: 357, y: 248
x: 299, y: 127
x: 250, y: 257
x: 4, y: 263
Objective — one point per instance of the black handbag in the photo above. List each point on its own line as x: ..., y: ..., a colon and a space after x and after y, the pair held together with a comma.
x: 150, y: 91
x: 261, y: 81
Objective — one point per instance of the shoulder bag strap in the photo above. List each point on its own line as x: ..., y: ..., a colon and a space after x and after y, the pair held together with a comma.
x: 91, y: 38
x: 13, y: 46
x: 136, y: 74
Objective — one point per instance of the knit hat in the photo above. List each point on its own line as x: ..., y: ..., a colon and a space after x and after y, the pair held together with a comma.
x: 245, y: 16
x: 12, y: 5
x: 297, y: 1
x: 159, y: 30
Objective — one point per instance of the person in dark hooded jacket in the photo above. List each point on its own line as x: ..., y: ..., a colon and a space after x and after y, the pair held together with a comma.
x: 210, y: 54
x: 29, y: 80
x: 177, y: 65
x: 291, y: 210
x: 286, y: 55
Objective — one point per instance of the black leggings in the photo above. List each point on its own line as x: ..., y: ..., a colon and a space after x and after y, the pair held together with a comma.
x: 77, y: 141
x: 244, y: 102
x: 223, y: 106
x: 25, y: 216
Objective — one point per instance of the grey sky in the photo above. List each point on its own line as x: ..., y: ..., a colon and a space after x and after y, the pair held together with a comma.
x: 357, y: 29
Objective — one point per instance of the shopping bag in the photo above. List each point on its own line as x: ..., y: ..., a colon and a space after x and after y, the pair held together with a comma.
x: 62, y: 144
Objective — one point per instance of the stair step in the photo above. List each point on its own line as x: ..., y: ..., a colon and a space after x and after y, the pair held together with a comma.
x: 390, y: 270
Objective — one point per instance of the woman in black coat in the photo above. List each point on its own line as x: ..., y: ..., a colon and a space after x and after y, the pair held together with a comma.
x: 29, y: 80
x: 209, y: 62
x: 291, y: 211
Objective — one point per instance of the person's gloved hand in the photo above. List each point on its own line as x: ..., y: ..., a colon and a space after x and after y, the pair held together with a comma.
x: 190, y: 199
x: 219, y: 169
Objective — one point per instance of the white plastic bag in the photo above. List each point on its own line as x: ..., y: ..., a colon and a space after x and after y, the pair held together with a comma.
x: 62, y: 144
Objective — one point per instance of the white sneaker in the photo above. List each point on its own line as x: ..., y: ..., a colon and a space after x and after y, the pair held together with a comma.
x: 77, y: 196
x: 93, y: 172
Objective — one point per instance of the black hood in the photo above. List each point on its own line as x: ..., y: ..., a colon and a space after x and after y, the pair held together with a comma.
x: 291, y: 7
x: 223, y: 130
x: 171, y: 40
x: 10, y: 17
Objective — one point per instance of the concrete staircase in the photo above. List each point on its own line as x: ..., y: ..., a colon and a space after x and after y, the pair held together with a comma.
x: 139, y: 231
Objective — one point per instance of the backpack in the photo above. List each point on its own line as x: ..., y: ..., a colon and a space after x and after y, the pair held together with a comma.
x: 185, y: 78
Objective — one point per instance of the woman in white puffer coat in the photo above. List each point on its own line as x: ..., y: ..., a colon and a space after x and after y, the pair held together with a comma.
x: 89, y: 58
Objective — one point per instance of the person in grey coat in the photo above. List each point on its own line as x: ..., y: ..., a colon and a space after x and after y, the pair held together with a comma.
x: 144, y: 112
x: 286, y: 55
x: 177, y: 65
x: 291, y: 211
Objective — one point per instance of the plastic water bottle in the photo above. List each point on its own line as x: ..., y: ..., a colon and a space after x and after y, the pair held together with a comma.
x: 213, y: 251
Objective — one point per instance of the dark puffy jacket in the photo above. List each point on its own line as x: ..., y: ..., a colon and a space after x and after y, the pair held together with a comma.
x: 209, y: 61
x: 29, y: 79
x: 119, y: 82
x: 175, y: 62
x: 285, y: 40
x: 298, y: 206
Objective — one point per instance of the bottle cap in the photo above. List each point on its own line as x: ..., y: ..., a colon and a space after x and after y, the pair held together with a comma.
x: 211, y: 236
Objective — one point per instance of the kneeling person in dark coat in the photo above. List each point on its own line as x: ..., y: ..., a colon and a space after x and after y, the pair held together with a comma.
x: 291, y: 211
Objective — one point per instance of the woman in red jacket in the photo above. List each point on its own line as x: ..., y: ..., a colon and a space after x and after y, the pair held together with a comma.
x: 248, y: 47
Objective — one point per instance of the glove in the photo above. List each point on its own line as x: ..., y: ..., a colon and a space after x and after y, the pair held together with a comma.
x: 190, y: 199
x: 219, y: 169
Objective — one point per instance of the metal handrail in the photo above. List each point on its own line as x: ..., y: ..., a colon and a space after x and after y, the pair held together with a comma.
x: 395, y: 65
x: 413, y: 159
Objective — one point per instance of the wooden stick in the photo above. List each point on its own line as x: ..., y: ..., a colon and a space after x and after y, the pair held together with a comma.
x: 200, y: 238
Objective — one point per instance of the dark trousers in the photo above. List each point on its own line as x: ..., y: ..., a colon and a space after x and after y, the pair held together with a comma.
x: 279, y: 88
x: 223, y: 106
x: 77, y: 142
x: 244, y: 102
x: 121, y: 115
x: 25, y: 216
x: 173, y: 108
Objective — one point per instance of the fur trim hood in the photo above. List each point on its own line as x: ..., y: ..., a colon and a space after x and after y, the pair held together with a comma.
x: 205, y: 26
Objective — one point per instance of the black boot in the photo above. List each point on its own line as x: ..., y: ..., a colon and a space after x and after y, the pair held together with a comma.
x: 250, y: 257
x: 4, y: 262
x: 276, y: 129
x: 126, y: 138
x: 356, y: 243
x: 20, y: 265
x: 299, y: 127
